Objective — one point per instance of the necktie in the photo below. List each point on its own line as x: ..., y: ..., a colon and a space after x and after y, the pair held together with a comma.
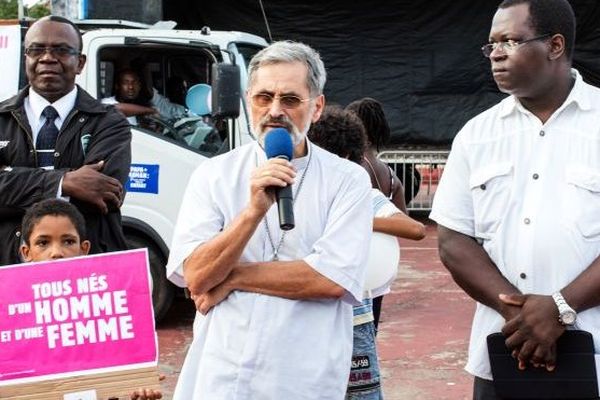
x: 46, y: 139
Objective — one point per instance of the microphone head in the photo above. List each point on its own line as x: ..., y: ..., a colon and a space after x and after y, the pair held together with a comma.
x: 278, y: 143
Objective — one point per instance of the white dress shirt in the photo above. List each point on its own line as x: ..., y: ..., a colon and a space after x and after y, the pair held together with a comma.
x: 35, y: 105
x: 530, y: 193
x: 253, y: 346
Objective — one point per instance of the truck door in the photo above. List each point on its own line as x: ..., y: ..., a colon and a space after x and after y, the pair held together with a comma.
x: 10, y: 54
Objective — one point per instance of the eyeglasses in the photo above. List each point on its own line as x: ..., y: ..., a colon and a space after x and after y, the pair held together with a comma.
x: 286, y: 101
x: 57, y: 52
x: 510, y: 46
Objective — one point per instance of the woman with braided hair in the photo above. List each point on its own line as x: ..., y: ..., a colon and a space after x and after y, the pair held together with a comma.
x: 370, y: 112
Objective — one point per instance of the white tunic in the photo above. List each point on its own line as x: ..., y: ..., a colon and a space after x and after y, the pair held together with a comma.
x: 530, y: 193
x: 253, y: 346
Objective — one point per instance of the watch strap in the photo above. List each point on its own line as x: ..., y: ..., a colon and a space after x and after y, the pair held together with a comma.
x: 563, y: 307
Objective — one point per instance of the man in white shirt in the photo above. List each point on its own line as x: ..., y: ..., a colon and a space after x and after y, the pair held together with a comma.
x: 518, y: 205
x: 278, y: 305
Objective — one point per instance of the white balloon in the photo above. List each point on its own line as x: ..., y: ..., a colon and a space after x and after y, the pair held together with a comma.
x: 382, y: 265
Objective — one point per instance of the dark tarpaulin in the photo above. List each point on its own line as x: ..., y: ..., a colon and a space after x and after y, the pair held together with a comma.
x: 422, y: 60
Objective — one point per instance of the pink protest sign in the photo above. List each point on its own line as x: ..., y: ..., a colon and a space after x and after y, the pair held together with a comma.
x: 75, y: 315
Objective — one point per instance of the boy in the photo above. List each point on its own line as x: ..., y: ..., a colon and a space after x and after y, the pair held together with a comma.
x: 54, y: 229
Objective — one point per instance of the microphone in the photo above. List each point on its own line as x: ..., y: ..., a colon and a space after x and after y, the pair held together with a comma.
x: 278, y: 144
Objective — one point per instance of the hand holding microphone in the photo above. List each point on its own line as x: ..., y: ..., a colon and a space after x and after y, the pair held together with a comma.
x: 278, y: 144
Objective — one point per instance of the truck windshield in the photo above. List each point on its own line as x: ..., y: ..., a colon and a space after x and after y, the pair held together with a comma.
x: 151, y: 85
x: 247, y: 51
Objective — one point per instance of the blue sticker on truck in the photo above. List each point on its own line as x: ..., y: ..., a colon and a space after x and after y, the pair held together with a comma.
x: 143, y: 178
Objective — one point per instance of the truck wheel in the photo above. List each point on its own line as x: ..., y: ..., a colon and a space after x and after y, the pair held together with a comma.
x: 162, y: 290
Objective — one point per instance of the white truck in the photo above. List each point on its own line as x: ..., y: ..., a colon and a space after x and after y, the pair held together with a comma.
x: 164, y: 153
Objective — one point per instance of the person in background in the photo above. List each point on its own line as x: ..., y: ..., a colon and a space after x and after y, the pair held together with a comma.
x: 52, y: 230
x: 134, y: 99
x: 370, y: 112
x: 518, y: 205
x: 60, y: 142
x: 341, y: 132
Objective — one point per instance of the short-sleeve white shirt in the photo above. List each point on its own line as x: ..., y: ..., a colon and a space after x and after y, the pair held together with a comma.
x: 530, y: 194
x: 254, y: 346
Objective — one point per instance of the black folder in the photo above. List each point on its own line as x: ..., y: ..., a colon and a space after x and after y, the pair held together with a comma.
x: 574, y: 376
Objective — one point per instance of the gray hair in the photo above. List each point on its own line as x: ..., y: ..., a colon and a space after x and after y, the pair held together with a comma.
x: 288, y: 52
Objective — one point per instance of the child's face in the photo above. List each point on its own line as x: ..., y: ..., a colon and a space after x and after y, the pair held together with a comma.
x: 54, y: 237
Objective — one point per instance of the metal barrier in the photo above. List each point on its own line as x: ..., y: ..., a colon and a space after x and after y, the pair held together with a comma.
x: 419, y: 171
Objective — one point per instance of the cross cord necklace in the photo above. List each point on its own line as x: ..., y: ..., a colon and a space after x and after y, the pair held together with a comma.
x: 274, y: 248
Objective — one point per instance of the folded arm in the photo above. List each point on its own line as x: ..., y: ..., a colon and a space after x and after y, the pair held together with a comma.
x: 20, y: 187
x: 99, y: 181
x: 211, y: 263
x: 333, y: 268
x: 295, y: 280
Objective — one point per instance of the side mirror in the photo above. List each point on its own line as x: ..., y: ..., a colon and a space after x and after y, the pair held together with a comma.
x: 226, y: 90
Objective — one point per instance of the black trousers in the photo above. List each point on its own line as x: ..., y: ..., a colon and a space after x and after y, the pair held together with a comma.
x: 484, y: 390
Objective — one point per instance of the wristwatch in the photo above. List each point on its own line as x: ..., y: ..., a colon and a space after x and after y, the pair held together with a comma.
x: 566, y: 315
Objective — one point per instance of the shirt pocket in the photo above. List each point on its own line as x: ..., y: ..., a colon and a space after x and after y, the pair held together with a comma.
x: 491, y: 188
x: 584, y: 184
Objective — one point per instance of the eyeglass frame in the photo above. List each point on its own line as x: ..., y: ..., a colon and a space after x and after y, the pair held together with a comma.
x: 278, y: 97
x: 513, y: 43
x: 52, y: 50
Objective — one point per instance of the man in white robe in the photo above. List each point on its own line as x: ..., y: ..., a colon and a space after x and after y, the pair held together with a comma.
x: 278, y: 306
